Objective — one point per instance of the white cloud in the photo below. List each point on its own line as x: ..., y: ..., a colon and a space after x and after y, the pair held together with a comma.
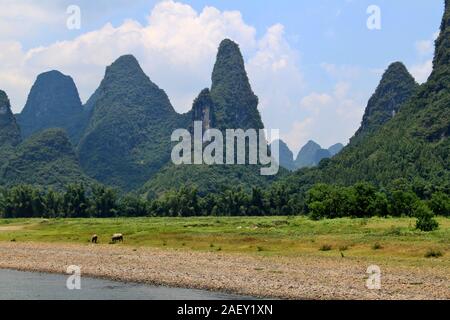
x: 298, y: 135
x: 176, y: 48
x: 341, y: 71
x: 329, y: 117
x: 341, y: 90
x: 274, y: 71
x: 315, y: 101
x: 26, y: 17
x: 422, y: 71
x: 426, y: 47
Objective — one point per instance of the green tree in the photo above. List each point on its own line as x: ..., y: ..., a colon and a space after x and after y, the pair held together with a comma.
x: 440, y: 204
x: 133, y: 206
x: 425, y: 218
x: 104, y: 202
x: 53, y: 202
x: 403, y: 203
x: 365, y: 199
x: 75, y: 203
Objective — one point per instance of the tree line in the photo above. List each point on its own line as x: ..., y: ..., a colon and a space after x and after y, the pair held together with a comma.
x: 321, y: 201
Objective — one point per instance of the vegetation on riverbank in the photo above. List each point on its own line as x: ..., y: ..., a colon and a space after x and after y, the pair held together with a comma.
x: 396, y: 239
x: 362, y: 200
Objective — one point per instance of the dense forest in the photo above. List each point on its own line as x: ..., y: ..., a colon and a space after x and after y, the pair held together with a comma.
x: 363, y: 200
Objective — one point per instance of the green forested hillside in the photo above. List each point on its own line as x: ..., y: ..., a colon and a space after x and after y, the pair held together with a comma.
x: 9, y: 130
x: 236, y: 104
x: 231, y: 104
x: 414, y: 145
x: 396, y: 87
x: 127, y: 139
x: 53, y: 102
x: 206, y: 179
x: 125, y: 128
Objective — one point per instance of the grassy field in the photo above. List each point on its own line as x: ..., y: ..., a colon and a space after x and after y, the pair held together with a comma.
x: 376, y: 239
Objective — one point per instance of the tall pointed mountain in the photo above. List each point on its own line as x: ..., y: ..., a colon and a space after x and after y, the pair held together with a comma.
x: 46, y: 159
x: 53, y: 102
x: 127, y: 139
x: 310, y: 155
x: 230, y: 104
x: 9, y: 130
x: 286, y: 156
x: 236, y: 104
x: 396, y: 87
x: 441, y: 60
x: 335, y: 149
x: 414, y: 145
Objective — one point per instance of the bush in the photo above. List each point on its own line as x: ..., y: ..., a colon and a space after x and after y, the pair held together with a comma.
x: 440, y: 204
x: 377, y: 246
x: 326, y: 247
x: 425, y: 219
x: 432, y: 253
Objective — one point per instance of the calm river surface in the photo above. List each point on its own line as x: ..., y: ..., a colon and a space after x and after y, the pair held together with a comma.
x: 42, y: 286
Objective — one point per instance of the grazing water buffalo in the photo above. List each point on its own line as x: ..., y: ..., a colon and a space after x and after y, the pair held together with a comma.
x: 94, y: 238
x: 118, y: 237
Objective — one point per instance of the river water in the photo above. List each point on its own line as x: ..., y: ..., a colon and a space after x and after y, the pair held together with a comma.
x: 17, y: 285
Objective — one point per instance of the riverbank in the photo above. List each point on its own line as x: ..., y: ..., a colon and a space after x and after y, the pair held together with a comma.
x: 306, y: 277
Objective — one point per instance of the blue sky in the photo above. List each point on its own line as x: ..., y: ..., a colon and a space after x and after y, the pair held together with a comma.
x: 314, y: 64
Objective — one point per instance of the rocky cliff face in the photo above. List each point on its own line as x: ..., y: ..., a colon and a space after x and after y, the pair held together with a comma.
x: 203, y: 110
x: 9, y: 130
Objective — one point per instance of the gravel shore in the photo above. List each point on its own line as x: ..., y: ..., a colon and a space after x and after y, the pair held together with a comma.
x: 276, y: 277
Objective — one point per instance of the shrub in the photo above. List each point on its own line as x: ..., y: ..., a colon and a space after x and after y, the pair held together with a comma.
x: 394, y: 231
x: 326, y: 247
x: 432, y: 253
x: 377, y: 246
x: 425, y: 219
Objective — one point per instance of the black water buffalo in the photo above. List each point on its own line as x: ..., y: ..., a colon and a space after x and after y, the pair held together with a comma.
x: 118, y: 237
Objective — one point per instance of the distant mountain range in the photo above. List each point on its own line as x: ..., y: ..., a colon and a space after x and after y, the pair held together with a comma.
x: 309, y: 156
x: 121, y: 136
x: 229, y: 104
x: 404, y: 135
